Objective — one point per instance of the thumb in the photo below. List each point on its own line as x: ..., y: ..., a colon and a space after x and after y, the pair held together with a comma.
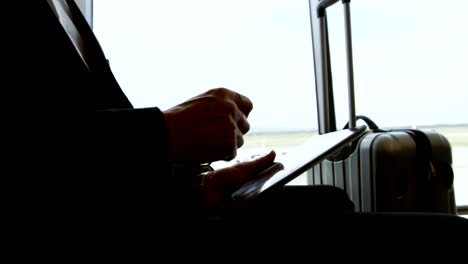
x: 258, y: 165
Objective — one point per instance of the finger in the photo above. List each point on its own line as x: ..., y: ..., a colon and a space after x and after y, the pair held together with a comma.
x: 239, y: 139
x: 231, y: 155
x: 242, y: 122
x: 244, y: 104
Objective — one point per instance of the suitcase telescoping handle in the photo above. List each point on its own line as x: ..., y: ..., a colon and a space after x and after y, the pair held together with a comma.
x: 324, y: 88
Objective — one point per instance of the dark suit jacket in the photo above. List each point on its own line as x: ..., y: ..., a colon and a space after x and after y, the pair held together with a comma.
x: 122, y: 158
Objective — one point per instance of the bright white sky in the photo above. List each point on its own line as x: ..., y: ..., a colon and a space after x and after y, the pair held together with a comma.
x: 410, y: 57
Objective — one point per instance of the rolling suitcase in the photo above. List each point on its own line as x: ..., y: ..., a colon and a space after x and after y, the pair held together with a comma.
x: 395, y: 170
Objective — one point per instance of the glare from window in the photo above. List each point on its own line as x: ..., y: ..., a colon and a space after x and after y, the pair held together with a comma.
x: 410, y: 63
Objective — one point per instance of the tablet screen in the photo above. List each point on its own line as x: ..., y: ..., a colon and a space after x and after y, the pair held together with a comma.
x: 298, y: 160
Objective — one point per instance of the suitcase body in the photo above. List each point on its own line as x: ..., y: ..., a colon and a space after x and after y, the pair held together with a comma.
x: 397, y: 170
x: 385, y: 173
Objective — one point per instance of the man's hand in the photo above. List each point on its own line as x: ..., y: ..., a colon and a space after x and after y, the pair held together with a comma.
x: 208, y: 127
x: 220, y: 184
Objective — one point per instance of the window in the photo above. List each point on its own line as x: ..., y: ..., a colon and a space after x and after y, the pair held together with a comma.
x: 409, y: 63
x: 261, y: 49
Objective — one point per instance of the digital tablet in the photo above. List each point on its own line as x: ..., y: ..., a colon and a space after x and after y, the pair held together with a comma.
x: 298, y: 160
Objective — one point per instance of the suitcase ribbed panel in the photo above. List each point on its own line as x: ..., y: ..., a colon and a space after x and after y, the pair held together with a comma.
x: 310, y: 176
x: 328, y: 173
x: 366, y: 197
x: 339, y: 171
x: 318, y: 174
x: 353, y: 179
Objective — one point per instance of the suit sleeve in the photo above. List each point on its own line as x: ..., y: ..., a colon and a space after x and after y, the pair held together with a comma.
x: 133, y: 173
